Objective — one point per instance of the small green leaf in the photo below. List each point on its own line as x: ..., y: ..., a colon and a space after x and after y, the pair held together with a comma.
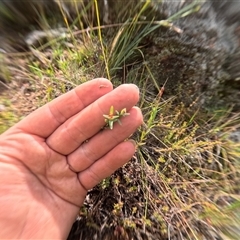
x: 110, y: 119
x: 106, y: 117
x: 119, y: 122
x: 110, y: 124
x: 123, y: 111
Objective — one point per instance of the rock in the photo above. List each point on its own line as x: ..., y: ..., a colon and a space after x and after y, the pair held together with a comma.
x: 202, y: 63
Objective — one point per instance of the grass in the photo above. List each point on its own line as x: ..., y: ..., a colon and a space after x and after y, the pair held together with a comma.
x: 7, y: 116
x: 183, y: 181
x: 190, y: 170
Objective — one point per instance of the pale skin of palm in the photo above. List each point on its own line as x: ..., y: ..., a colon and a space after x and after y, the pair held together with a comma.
x: 50, y: 159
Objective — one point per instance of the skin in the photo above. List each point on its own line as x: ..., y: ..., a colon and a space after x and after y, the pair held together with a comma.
x: 50, y: 159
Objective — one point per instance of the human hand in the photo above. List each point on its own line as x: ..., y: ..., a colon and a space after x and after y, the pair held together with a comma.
x: 50, y: 159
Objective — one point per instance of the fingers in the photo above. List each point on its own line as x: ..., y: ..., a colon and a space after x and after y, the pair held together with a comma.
x: 104, y: 167
x: 104, y: 141
x: 81, y: 127
x: 48, y: 118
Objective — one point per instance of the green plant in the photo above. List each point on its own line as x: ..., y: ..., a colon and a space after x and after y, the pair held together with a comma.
x: 110, y: 119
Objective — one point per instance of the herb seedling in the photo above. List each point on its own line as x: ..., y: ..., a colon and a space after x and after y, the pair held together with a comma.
x: 111, y: 118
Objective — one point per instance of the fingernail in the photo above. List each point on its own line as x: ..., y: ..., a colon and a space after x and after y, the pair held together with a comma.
x: 133, y: 142
x: 136, y: 87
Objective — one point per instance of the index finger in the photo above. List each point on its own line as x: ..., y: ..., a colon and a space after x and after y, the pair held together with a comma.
x: 48, y: 118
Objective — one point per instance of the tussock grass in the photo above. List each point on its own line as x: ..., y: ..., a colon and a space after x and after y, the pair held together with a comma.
x: 183, y: 181
x: 192, y: 173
